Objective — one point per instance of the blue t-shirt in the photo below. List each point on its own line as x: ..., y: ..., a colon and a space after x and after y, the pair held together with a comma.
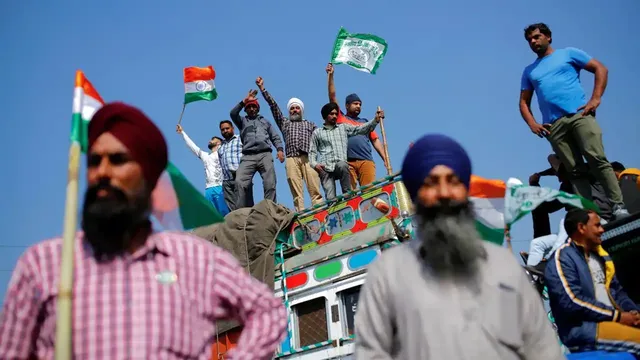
x: 556, y: 81
x: 359, y: 146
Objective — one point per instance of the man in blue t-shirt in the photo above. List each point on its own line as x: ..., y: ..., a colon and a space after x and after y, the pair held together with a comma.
x: 568, y: 119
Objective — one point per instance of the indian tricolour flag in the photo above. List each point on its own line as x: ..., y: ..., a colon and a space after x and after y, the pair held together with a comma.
x: 198, y: 84
x: 487, y: 197
x: 177, y: 204
x: 86, y: 101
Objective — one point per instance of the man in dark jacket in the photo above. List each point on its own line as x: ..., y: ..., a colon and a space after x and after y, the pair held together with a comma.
x: 541, y: 225
x: 257, y: 136
x: 591, y: 309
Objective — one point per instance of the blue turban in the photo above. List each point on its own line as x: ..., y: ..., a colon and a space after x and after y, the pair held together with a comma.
x: 430, y: 151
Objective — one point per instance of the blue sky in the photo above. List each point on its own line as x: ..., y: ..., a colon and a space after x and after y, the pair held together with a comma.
x: 452, y: 67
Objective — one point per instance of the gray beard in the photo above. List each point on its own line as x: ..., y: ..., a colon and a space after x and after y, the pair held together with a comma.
x: 295, y: 117
x: 451, y: 245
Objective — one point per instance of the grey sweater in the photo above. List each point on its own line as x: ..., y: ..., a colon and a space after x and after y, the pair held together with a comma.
x: 257, y: 135
x: 405, y: 312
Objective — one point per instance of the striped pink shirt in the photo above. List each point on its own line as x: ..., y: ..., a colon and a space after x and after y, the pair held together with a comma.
x: 159, y: 303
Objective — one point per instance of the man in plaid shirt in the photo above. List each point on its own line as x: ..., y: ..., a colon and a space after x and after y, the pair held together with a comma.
x: 328, y: 150
x: 137, y: 293
x: 297, y: 138
x: 230, y: 153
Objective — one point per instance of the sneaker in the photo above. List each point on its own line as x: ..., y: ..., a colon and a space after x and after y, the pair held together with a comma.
x: 619, y: 211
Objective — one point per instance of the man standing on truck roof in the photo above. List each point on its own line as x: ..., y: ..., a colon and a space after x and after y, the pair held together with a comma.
x: 258, y: 137
x: 212, y: 170
x: 137, y: 294
x: 297, y: 133
x: 448, y: 294
x: 361, y: 165
x: 328, y: 150
x: 568, y: 119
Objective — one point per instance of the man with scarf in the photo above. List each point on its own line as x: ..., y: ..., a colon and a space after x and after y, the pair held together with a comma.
x: 297, y: 133
x: 137, y: 293
x: 257, y: 136
x: 448, y: 294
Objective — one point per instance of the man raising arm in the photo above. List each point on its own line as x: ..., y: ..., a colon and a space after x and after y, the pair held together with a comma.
x: 361, y: 165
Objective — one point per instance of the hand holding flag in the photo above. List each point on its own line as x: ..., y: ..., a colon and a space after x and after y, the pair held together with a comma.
x: 198, y: 85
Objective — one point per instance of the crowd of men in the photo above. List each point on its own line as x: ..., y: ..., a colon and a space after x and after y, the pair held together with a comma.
x: 144, y: 294
x: 337, y: 150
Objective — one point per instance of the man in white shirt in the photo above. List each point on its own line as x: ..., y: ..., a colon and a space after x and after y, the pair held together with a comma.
x: 544, y: 246
x: 212, y: 170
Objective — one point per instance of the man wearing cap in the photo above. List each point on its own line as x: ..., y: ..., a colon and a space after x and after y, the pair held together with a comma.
x: 297, y: 133
x: 360, y: 159
x: 328, y: 149
x: 137, y: 293
x: 258, y: 136
x: 447, y: 294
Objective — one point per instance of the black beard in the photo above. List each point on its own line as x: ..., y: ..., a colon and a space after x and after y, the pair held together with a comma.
x: 450, y: 242
x: 109, y: 223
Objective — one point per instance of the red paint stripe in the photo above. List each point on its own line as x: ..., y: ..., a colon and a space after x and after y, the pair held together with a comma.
x: 297, y: 280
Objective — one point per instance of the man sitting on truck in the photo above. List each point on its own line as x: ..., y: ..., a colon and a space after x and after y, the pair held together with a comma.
x: 629, y: 180
x: 590, y: 307
x: 621, y: 171
x: 448, y: 294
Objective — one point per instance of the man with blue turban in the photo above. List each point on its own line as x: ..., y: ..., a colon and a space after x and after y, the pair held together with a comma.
x: 448, y: 294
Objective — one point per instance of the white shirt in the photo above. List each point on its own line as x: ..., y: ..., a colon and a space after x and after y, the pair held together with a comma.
x: 211, y: 162
x: 597, y: 274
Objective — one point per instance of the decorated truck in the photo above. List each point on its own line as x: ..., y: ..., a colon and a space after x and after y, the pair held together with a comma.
x: 320, y: 257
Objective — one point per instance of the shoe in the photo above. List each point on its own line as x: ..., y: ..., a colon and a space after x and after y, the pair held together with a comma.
x: 619, y: 211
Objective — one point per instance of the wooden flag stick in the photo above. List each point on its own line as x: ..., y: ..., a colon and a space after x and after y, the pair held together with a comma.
x: 385, y: 147
x: 63, y: 344
x: 182, y: 113
x: 404, y: 200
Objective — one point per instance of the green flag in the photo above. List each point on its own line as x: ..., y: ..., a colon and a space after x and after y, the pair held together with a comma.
x: 362, y: 52
x: 521, y: 200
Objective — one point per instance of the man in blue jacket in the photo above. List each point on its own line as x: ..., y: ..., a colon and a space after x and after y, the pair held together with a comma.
x: 591, y: 309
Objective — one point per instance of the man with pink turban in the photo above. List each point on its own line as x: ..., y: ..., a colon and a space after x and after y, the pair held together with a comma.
x: 137, y: 293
